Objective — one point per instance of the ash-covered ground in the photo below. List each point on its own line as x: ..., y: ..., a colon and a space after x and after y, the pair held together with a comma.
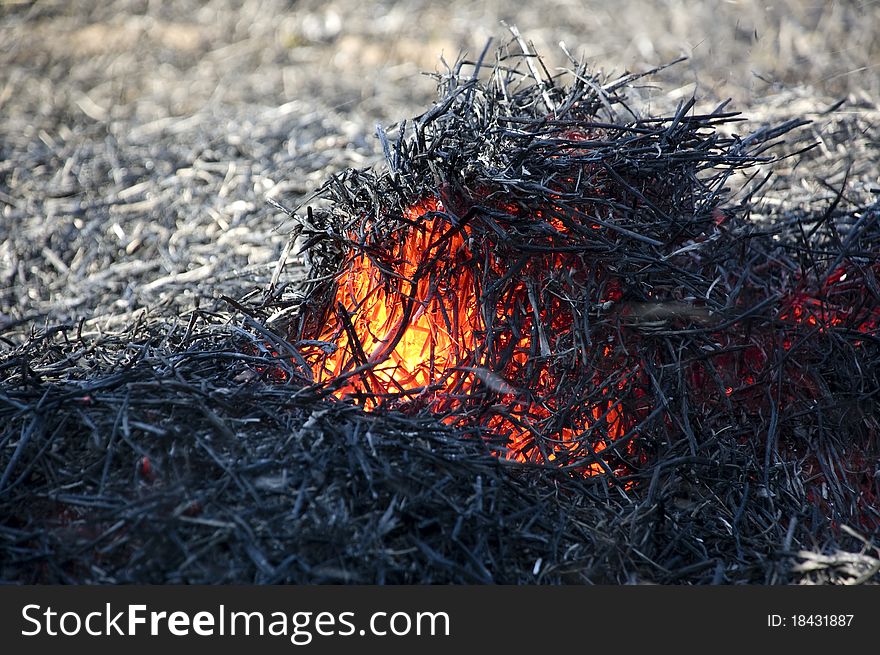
x: 140, y: 143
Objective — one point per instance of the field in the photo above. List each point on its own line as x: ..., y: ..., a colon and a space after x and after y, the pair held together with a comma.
x: 140, y: 146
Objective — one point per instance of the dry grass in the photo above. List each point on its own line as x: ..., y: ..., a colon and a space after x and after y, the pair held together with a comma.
x: 140, y: 142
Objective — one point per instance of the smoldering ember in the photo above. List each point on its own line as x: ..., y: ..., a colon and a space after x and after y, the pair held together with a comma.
x: 551, y: 339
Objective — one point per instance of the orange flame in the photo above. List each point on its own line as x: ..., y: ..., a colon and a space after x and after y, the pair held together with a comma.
x: 411, y: 332
x: 399, y: 332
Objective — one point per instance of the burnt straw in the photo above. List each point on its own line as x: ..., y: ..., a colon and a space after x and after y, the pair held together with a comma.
x: 620, y: 372
x: 576, y: 289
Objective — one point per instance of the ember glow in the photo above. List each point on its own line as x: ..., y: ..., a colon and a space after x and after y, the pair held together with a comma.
x: 406, y: 332
x: 409, y: 335
x: 408, y: 328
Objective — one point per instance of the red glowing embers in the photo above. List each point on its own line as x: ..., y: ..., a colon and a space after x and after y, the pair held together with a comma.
x: 420, y: 318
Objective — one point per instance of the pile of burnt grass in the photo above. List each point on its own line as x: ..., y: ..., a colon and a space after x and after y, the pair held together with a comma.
x: 167, y: 454
x: 736, y: 437
x: 544, y: 269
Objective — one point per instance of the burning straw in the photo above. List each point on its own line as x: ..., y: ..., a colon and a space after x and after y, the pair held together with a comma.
x: 542, y: 345
x: 543, y: 269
